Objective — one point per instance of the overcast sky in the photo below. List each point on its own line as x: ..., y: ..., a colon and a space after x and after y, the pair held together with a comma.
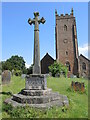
x: 18, y: 35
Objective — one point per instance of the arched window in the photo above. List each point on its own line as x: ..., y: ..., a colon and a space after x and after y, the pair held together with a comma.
x: 66, y: 52
x: 68, y: 66
x: 65, y: 28
x: 83, y: 66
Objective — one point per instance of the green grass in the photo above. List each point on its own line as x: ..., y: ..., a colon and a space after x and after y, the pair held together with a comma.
x: 78, y: 102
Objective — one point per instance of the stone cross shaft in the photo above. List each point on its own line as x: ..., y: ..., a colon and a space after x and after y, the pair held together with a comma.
x: 36, y: 21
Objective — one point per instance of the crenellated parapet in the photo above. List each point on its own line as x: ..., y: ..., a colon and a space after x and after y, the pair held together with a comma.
x: 66, y: 16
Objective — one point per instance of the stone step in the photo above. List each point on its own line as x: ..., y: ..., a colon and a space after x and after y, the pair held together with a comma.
x: 35, y: 92
x: 36, y: 99
x: 58, y: 103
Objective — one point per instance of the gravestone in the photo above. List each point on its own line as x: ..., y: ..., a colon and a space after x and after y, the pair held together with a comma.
x: 36, y: 94
x: 12, y: 72
x: 77, y: 86
x: 6, y: 77
x: 57, y: 75
x: 23, y: 76
x: 50, y: 74
x: 73, y: 76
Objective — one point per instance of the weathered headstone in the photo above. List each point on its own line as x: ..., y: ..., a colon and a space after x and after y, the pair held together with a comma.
x: 36, y: 94
x: 57, y: 75
x: 12, y: 72
x: 6, y: 77
x: 23, y: 76
x: 50, y: 74
x: 73, y: 76
x: 77, y: 86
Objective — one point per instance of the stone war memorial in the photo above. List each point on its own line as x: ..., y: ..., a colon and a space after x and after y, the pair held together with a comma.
x: 36, y: 94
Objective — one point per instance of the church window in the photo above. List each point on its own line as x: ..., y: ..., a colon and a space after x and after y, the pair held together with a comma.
x: 68, y: 66
x: 83, y: 66
x: 66, y: 52
x: 65, y: 28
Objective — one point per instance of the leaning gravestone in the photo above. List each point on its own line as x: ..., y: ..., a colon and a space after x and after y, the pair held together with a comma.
x: 36, y: 94
x: 6, y: 77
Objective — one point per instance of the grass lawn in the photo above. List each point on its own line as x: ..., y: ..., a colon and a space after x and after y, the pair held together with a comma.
x: 78, y: 102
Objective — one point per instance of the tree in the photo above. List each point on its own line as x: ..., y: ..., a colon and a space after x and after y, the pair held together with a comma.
x: 58, y: 68
x: 0, y: 68
x: 14, y: 63
x: 30, y: 69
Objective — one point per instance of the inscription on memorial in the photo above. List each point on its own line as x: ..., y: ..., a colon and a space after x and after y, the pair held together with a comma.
x: 36, y: 82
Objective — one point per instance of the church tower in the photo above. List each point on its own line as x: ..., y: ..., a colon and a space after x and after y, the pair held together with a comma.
x: 66, y: 42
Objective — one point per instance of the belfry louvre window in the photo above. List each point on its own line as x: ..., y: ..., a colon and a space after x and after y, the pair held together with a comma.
x: 65, y: 28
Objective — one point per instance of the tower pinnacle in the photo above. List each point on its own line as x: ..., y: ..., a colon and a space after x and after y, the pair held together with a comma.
x: 72, y: 11
x: 55, y: 12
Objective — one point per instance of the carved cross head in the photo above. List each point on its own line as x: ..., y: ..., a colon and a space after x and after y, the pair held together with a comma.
x: 36, y: 14
x: 36, y: 19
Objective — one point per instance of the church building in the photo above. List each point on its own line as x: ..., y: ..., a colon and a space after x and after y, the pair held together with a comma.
x: 67, y: 46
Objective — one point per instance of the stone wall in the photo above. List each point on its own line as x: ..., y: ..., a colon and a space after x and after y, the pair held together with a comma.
x: 84, y: 67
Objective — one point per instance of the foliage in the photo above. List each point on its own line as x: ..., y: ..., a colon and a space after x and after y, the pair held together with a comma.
x: 0, y: 68
x: 78, y: 103
x: 30, y: 69
x: 22, y: 112
x: 18, y: 72
x: 58, y: 68
x: 14, y: 63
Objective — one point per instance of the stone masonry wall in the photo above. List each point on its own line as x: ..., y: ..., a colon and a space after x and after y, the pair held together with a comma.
x: 66, y: 45
x: 84, y: 67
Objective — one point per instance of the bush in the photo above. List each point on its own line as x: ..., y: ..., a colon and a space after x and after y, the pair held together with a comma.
x: 58, y: 68
x: 18, y: 72
x: 0, y: 72
x: 0, y: 68
x: 22, y: 112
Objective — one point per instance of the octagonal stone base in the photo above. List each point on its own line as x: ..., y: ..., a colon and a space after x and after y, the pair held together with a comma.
x: 38, y: 99
x: 37, y: 95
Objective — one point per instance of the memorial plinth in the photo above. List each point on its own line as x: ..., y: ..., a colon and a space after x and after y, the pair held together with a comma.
x: 36, y: 82
x: 36, y: 94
